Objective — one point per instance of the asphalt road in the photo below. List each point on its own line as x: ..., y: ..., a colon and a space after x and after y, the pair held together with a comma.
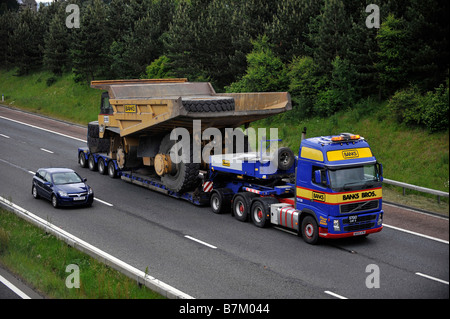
x: 151, y: 231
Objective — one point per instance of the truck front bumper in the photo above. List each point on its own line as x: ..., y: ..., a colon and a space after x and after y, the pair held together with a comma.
x: 323, y: 232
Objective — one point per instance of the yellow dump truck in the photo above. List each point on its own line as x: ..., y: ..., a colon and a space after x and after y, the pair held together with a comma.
x: 137, y: 116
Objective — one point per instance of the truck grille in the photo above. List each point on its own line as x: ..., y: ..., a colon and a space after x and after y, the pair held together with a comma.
x: 358, y: 207
x: 359, y: 226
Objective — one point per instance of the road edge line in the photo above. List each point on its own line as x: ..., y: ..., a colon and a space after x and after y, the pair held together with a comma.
x: 77, y: 243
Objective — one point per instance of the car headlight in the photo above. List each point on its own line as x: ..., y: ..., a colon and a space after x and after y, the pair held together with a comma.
x: 62, y: 194
x: 90, y: 191
x: 336, y: 225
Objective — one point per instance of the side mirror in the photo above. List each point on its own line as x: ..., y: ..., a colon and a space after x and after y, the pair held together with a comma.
x: 84, y: 179
x: 318, y: 176
x: 380, y: 171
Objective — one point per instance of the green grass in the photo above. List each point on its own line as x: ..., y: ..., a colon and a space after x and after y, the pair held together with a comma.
x: 40, y: 259
x: 64, y: 99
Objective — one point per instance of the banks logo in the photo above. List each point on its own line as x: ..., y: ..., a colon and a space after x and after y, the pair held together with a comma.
x: 130, y: 108
x: 350, y: 154
x: 318, y: 196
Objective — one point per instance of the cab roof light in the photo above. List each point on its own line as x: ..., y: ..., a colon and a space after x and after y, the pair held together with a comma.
x: 345, y: 137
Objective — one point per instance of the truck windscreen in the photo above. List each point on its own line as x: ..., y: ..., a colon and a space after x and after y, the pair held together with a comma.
x: 359, y: 177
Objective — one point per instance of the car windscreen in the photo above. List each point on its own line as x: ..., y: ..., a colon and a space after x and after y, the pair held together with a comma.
x: 66, y: 178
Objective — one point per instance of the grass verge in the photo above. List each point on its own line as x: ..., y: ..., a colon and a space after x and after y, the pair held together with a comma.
x: 40, y: 259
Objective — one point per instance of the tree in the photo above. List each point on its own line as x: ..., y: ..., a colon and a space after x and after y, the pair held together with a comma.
x: 56, y: 51
x: 393, y: 39
x: 27, y: 42
x: 91, y: 42
x: 265, y: 73
x: 329, y: 35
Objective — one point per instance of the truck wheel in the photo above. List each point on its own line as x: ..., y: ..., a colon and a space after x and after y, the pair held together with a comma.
x: 241, y: 205
x: 82, y: 160
x: 185, y: 176
x: 101, y: 166
x: 285, y: 158
x: 209, y: 104
x: 112, y: 172
x: 310, y: 231
x: 91, y: 163
x: 260, y: 211
x: 220, y: 203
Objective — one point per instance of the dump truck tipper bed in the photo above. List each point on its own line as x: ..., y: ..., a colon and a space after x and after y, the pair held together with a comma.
x: 137, y: 117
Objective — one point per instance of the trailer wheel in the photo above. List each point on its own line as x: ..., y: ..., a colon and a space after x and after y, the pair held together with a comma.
x: 101, y: 166
x: 310, y: 230
x: 112, y: 172
x: 82, y: 160
x: 241, y: 205
x: 220, y: 202
x: 91, y: 163
x: 260, y: 211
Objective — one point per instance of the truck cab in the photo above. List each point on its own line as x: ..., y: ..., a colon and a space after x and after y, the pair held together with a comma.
x: 339, y: 181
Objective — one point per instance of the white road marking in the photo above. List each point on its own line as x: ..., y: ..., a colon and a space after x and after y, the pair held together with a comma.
x: 43, y: 129
x: 5, y: 136
x: 16, y: 290
x: 417, y: 234
x: 103, y: 202
x: 432, y: 278
x: 46, y: 150
x: 334, y: 294
x: 201, y: 242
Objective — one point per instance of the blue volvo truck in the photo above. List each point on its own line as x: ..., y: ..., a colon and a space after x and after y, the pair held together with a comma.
x: 332, y: 189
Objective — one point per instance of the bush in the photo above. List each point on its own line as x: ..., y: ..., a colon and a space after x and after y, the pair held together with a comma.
x: 430, y: 111
x: 159, y: 69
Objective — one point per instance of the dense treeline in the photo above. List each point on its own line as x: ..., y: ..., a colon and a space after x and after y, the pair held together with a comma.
x: 322, y: 52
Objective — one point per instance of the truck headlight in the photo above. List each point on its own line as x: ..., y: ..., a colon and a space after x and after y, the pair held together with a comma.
x: 380, y: 219
x: 62, y: 194
x: 336, y: 225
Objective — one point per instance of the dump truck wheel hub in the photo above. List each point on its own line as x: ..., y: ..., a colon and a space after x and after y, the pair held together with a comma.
x: 163, y: 164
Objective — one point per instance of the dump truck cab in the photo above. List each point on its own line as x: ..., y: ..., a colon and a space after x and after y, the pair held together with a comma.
x: 339, y: 181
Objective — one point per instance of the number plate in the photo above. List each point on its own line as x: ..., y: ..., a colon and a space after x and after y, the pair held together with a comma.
x: 353, y: 219
x: 356, y: 233
x: 79, y: 198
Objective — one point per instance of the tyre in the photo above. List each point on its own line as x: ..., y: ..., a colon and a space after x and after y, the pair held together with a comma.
x: 220, y: 202
x: 185, y: 176
x: 285, y: 158
x: 91, y: 163
x: 55, y: 201
x: 209, y: 104
x: 101, y: 166
x: 112, y: 172
x: 241, y: 205
x: 95, y: 143
x: 34, y: 191
x: 260, y: 211
x: 82, y: 160
x: 310, y: 230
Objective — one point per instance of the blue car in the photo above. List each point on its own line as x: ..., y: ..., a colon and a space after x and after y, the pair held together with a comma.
x: 62, y: 186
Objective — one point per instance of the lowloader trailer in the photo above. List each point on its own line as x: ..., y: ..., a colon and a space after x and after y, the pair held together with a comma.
x: 332, y: 189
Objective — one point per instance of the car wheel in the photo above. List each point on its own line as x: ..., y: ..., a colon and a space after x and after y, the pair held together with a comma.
x: 55, y: 201
x: 34, y: 191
